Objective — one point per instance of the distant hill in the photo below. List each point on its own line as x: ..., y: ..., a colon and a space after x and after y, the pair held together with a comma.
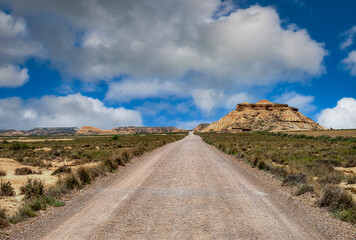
x: 201, y: 126
x: 123, y: 130
x: 87, y: 130
x: 263, y: 116
x: 40, y: 131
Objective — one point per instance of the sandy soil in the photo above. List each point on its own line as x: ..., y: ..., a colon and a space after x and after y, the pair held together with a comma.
x: 186, y: 190
x: 331, y: 133
x: 8, y: 165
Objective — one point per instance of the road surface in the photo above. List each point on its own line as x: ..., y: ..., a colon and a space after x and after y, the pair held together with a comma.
x: 184, y: 190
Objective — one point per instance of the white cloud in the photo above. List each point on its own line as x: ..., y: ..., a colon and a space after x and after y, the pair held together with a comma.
x: 238, y: 98
x: 14, y: 40
x: 349, y: 63
x: 340, y: 117
x: 207, y: 99
x: 348, y: 38
x: 68, y: 111
x: 293, y: 99
x: 166, y: 39
x: 12, y: 76
x: 128, y: 90
x: 15, y: 48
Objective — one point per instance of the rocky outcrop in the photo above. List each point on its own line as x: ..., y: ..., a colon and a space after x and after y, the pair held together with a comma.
x: 53, y: 131
x: 95, y: 131
x: 131, y: 130
x: 263, y: 116
x: 201, y: 126
x: 127, y: 130
x: 40, y: 131
x: 87, y: 130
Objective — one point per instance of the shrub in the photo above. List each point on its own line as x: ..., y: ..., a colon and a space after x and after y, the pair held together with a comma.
x: 95, y: 172
x: 84, y: 175
x: 33, y: 188
x: 295, y: 180
x: 23, y: 213
x: 37, y: 204
x: 2, y: 173
x: 23, y: 171
x: 109, y: 164
x: 62, y: 169
x: 115, y: 137
x: 119, y: 159
x: 18, y: 146
x: 3, y: 213
x: 71, y: 182
x: 126, y: 156
x: 304, y: 189
x: 6, y: 189
x: 4, y: 223
x: 335, y: 197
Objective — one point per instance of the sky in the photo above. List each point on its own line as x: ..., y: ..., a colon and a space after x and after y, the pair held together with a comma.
x: 176, y: 63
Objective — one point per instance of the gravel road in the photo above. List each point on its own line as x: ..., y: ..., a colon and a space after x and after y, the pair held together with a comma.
x: 186, y: 190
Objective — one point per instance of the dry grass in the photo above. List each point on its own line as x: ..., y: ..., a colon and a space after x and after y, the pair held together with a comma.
x: 65, y: 164
x: 309, y: 163
x: 331, y: 133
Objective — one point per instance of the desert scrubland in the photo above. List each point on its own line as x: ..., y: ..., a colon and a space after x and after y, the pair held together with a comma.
x: 37, y: 171
x: 323, y: 166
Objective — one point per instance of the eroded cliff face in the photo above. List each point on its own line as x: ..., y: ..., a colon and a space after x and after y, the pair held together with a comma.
x: 263, y: 116
x: 123, y: 130
x: 128, y: 130
x: 94, y: 130
x: 201, y: 126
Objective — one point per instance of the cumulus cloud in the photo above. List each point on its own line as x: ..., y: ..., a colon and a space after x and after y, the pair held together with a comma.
x: 293, y: 99
x: 207, y: 99
x: 128, y: 90
x: 349, y: 63
x: 15, y: 48
x: 340, y: 117
x: 13, y: 76
x: 166, y: 39
x: 68, y: 111
x: 348, y: 38
x: 16, y: 45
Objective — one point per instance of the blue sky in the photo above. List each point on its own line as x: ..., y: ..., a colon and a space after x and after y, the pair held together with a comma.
x: 173, y: 63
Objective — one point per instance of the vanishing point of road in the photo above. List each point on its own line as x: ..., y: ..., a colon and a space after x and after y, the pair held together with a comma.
x: 184, y: 190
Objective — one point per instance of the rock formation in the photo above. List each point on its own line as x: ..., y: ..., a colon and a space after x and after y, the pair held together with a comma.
x: 131, y: 130
x: 87, y: 130
x: 95, y: 131
x: 40, y: 131
x: 128, y: 130
x: 263, y: 116
x: 201, y: 127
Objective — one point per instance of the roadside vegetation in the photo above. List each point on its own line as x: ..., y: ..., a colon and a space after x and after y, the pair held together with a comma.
x: 73, y: 163
x: 320, y: 165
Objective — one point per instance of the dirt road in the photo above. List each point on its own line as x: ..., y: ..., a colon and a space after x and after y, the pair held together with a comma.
x: 185, y: 190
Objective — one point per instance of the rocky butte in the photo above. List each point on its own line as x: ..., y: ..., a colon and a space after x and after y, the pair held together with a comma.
x: 263, y: 116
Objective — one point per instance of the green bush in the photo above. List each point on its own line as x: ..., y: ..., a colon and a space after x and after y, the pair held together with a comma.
x: 23, y: 171
x: 115, y: 137
x: 18, y: 146
x: 84, y: 175
x: 33, y: 188
x: 6, y: 189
